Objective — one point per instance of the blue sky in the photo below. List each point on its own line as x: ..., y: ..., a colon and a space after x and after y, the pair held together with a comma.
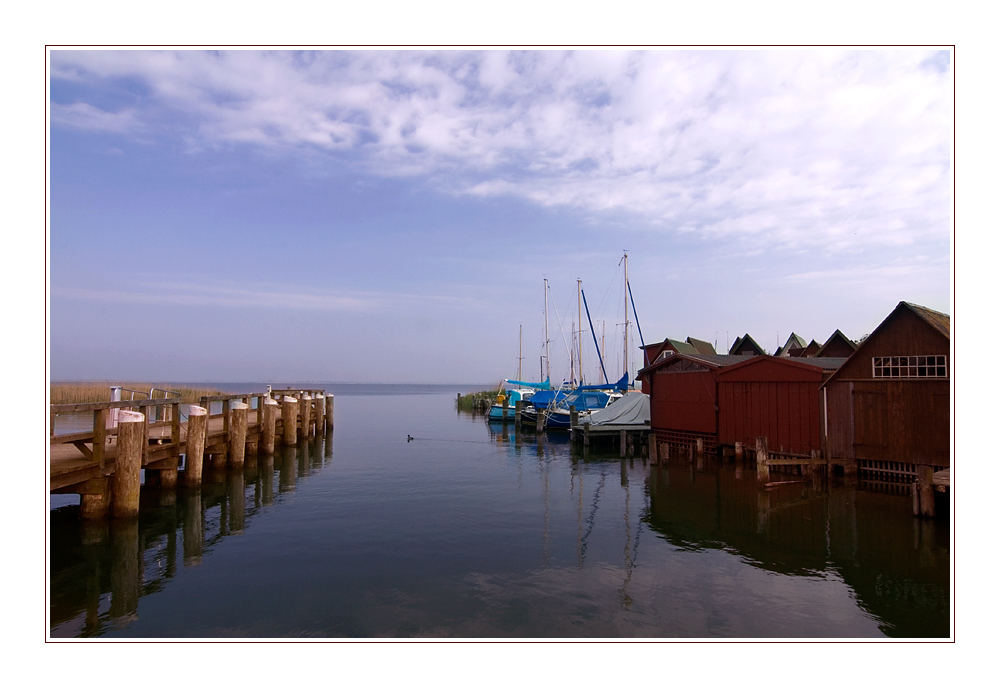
x: 391, y: 215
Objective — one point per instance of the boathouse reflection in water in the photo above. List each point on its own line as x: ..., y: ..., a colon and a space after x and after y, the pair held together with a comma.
x: 898, y: 566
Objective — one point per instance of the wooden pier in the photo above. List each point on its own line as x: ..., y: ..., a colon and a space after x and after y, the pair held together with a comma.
x: 102, y: 464
x: 631, y: 439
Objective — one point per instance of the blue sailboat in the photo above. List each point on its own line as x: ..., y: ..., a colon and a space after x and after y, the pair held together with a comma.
x: 584, y: 399
x: 539, y: 402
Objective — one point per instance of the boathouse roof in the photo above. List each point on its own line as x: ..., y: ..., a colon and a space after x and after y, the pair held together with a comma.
x: 745, y: 345
x: 794, y: 342
x: 939, y: 323
x: 837, y: 344
x: 702, y: 347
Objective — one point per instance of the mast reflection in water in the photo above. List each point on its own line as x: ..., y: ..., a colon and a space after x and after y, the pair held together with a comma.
x: 481, y: 531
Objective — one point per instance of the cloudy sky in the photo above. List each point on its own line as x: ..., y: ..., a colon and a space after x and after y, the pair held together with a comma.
x: 391, y: 215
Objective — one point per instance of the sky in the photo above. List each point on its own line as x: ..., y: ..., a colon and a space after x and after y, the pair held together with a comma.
x: 391, y: 216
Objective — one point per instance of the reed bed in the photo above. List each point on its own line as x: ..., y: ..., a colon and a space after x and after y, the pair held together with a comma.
x: 91, y: 392
x: 469, y: 402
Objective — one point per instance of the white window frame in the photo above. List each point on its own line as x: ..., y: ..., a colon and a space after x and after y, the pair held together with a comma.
x: 928, y: 367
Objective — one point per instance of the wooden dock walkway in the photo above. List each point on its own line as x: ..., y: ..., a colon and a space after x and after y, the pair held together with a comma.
x: 85, y: 462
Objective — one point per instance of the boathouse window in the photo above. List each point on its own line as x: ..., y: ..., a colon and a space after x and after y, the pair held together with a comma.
x: 910, y: 366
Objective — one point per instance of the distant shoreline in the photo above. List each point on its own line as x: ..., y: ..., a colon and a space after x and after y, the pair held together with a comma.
x: 335, y: 388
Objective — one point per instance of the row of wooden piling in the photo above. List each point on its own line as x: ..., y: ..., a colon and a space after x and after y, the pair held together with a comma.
x: 298, y: 416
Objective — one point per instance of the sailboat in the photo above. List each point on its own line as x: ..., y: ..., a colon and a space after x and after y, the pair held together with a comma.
x: 584, y: 399
x: 521, y: 391
x: 589, y: 398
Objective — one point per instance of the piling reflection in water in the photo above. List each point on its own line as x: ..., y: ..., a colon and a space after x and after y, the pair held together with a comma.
x: 125, y: 570
x: 101, y: 569
x: 194, y: 528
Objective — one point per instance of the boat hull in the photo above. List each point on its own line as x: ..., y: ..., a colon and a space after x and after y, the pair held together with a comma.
x: 496, y: 414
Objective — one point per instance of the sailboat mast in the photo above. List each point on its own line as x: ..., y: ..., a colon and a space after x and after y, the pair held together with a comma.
x: 520, y: 329
x: 626, y: 312
x: 602, y: 343
x: 572, y: 356
x: 547, y: 370
x: 579, y: 338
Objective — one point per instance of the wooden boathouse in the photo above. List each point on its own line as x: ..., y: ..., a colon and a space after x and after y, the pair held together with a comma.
x: 652, y: 352
x: 777, y: 398
x: 715, y: 400
x: 889, y: 406
x: 103, y: 464
x: 882, y: 413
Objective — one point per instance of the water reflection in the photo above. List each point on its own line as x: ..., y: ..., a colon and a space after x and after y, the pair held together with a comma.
x: 897, y: 566
x: 496, y: 531
x: 100, y: 570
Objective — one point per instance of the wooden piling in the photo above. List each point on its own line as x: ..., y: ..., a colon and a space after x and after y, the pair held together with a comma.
x: 175, y: 427
x: 652, y: 449
x: 194, y: 461
x: 621, y: 443
x: 128, y: 464
x: 320, y: 404
x: 268, y: 423
x: 289, y: 411
x: 700, y: 445
x: 763, y: 472
x: 329, y: 412
x: 506, y: 403
x: 237, y: 434
x: 100, y: 436
x: 304, y: 408
x: 96, y: 503
x: 225, y: 423
x: 168, y: 476
x: 518, y: 407
x: 574, y: 416
x: 738, y: 457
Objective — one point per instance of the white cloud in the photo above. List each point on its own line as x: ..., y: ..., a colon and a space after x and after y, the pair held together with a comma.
x: 86, y: 116
x: 813, y: 148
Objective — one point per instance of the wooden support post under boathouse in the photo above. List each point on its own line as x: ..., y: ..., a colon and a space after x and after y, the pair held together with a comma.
x: 103, y: 465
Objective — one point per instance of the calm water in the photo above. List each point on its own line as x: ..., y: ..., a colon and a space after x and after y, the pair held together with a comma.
x: 469, y: 532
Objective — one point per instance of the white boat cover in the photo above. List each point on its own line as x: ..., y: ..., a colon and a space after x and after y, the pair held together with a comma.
x: 631, y: 410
